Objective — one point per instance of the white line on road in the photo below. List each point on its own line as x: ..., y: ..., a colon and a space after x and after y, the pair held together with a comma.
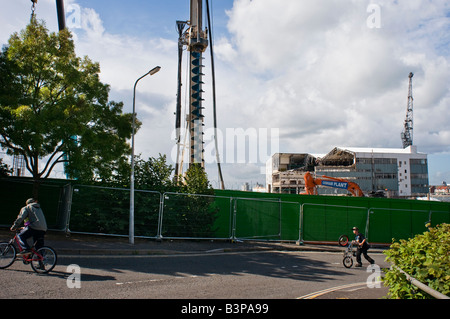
x: 328, y: 290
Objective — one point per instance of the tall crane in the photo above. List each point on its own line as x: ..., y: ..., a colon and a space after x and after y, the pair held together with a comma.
x: 196, y: 40
x: 197, y: 43
x: 407, y: 134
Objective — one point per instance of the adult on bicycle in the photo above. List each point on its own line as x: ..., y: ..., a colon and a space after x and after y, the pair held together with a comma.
x: 362, y: 248
x: 35, y: 225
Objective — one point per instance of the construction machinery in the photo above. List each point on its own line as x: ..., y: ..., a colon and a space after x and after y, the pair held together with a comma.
x: 407, y: 134
x: 311, y: 184
x: 196, y: 41
x: 195, y: 38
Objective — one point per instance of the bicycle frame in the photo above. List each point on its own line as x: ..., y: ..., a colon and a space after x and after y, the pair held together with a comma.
x: 349, y: 250
x: 33, y: 253
x: 42, y: 260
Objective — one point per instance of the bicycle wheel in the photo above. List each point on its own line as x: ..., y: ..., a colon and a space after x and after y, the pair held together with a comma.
x: 43, y: 260
x: 348, y: 262
x: 7, y: 255
x: 343, y: 240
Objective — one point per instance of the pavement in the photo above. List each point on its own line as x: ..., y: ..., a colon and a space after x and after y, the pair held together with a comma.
x: 82, y: 244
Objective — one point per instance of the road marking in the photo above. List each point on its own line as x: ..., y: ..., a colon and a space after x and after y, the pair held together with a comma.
x: 154, y: 280
x: 354, y: 289
x: 168, y: 255
x: 328, y: 290
x: 221, y: 250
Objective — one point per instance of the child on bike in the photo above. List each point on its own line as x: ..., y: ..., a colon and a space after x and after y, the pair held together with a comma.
x: 362, y: 248
x: 35, y: 225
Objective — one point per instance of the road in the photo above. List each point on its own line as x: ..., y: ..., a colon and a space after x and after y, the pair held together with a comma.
x: 238, y: 275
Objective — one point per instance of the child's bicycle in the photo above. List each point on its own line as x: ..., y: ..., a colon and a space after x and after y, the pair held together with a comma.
x: 348, y: 253
x: 42, y: 260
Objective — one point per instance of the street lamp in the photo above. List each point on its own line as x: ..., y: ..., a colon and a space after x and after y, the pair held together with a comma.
x: 133, y: 125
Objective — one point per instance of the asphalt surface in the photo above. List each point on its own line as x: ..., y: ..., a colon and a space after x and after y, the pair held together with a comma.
x: 80, y: 244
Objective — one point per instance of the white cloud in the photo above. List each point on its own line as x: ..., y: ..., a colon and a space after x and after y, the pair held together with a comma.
x: 328, y: 74
x: 319, y: 73
x: 15, y: 15
x: 312, y: 68
x: 123, y: 59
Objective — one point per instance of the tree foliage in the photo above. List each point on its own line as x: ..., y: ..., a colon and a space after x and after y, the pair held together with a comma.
x: 154, y: 174
x: 55, y: 109
x: 196, y: 181
x: 425, y: 257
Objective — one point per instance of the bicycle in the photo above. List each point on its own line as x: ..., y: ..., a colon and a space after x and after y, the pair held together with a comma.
x: 348, y: 253
x: 42, y: 260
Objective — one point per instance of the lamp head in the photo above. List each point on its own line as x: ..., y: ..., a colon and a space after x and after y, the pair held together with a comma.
x: 154, y: 70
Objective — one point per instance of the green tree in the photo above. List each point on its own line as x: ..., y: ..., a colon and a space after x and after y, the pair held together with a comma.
x: 153, y: 174
x: 54, y: 109
x: 425, y: 257
x: 196, y: 181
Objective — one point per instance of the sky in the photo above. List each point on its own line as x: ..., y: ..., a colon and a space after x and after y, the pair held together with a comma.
x: 295, y: 76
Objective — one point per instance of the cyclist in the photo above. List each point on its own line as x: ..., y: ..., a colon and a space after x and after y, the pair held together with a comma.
x: 362, y: 248
x: 35, y: 226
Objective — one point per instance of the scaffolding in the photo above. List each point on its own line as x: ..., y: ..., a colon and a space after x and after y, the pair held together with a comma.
x: 18, y: 165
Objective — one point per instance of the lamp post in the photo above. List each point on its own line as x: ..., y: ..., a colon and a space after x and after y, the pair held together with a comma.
x: 133, y: 125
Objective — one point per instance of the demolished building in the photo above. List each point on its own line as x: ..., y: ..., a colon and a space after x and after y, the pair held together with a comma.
x: 391, y: 171
x: 285, y: 172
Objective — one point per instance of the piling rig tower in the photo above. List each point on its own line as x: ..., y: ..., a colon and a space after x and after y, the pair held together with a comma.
x: 196, y: 41
x: 407, y: 134
x: 195, y: 38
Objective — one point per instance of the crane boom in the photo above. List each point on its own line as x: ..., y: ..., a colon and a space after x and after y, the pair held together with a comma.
x: 407, y: 134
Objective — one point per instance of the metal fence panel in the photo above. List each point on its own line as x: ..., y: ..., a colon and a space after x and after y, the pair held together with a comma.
x: 290, y: 221
x: 438, y: 217
x: 387, y: 224
x: 100, y: 210
x: 257, y: 219
x: 324, y: 222
x: 195, y: 216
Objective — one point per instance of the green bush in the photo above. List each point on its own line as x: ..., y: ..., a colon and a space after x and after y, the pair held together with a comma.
x: 425, y: 257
